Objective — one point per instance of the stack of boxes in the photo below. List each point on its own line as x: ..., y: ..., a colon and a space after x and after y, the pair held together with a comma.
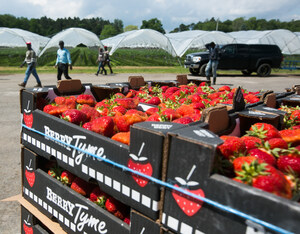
x: 175, y: 154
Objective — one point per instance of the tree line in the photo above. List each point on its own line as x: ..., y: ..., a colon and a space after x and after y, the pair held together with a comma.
x: 104, y: 28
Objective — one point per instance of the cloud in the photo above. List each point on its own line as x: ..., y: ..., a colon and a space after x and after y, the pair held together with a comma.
x: 171, y: 13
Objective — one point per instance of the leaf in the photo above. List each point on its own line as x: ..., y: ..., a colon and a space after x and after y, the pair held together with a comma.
x: 180, y: 180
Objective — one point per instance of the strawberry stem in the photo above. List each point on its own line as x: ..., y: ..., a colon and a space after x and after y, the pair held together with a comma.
x: 141, y: 149
x: 191, y: 172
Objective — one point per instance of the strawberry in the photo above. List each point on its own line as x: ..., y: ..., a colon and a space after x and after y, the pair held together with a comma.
x: 127, y: 220
x: 86, y: 99
x: 186, y: 110
x: 128, y: 103
x: 295, y: 117
x: 28, y: 119
x: 190, y: 206
x: 119, y: 109
x: 183, y: 120
x: 289, y: 161
x: 265, y: 177
x: 264, y: 155
x: 155, y: 117
x: 125, y: 121
x: 90, y: 112
x: 277, y: 143
x: 225, y: 88
x: 80, y: 186
x: 142, y: 166
x: 154, y: 101
x: 123, y: 137
x: 88, y: 126
x: 290, y: 135
x: 69, y: 102
x: 27, y: 228
x: 111, y: 205
x: 263, y: 131
x: 55, y: 172
x: 152, y: 110
x: 30, y: 176
x: 239, y: 161
x: 232, y: 146
x: 251, y: 142
x: 60, y: 100
x: 55, y: 110
x: 103, y: 125
x: 74, y: 116
x: 99, y: 197
x: 67, y: 177
x: 171, y: 114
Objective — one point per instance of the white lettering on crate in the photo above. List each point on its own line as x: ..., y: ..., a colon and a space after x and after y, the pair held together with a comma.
x: 81, y: 216
x: 161, y: 126
x: 56, y: 135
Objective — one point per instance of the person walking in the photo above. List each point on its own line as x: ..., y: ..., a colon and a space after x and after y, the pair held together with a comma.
x: 107, y: 61
x: 63, y: 61
x: 101, y: 59
x: 30, y: 59
x: 212, y: 65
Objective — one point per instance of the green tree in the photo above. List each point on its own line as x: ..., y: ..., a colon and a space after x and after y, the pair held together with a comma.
x: 118, y: 24
x: 130, y: 28
x: 154, y: 24
x: 239, y: 24
x: 108, y: 31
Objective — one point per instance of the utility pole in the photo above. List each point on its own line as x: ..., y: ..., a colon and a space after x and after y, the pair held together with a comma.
x: 217, y: 26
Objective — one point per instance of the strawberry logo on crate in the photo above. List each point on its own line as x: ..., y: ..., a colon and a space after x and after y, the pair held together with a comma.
x: 189, y: 205
x: 141, y: 165
x: 30, y: 175
x: 27, y: 227
x: 27, y: 116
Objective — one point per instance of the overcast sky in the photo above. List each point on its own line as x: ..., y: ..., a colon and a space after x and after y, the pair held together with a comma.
x: 170, y: 12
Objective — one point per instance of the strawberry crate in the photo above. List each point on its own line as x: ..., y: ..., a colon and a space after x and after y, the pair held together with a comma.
x: 31, y: 224
x: 183, y: 214
x: 74, y: 212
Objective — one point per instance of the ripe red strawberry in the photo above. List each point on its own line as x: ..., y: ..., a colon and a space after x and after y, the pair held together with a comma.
x: 90, y: 112
x: 60, y: 100
x: 99, y: 197
x: 74, y: 116
x: 188, y: 205
x: 186, y: 110
x: 240, y: 161
x: 128, y: 103
x: 69, y: 102
x: 295, y: 116
x: 225, y: 88
x: 154, y: 101
x: 290, y: 161
x: 232, y: 146
x: 67, y: 177
x: 251, y: 142
x: 103, y: 125
x: 263, y: 131
x: 290, y: 135
x: 170, y: 114
x: 127, y: 220
x: 111, y: 205
x: 141, y: 166
x: 86, y: 99
x: 80, y: 186
x: 265, y: 177
x: 263, y: 155
x: 155, y: 117
x: 123, y: 137
x: 119, y: 109
x: 88, y: 126
x: 277, y: 143
x: 152, y: 110
x: 183, y: 120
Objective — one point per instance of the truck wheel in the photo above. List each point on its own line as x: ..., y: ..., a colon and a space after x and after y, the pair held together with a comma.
x: 194, y: 71
x: 246, y: 72
x: 264, y: 70
x: 202, y: 69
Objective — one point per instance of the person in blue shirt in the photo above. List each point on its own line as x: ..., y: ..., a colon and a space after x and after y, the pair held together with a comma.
x: 214, y: 58
x: 63, y: 61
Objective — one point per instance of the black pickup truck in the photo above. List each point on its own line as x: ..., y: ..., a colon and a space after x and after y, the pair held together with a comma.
x: 247, y: 58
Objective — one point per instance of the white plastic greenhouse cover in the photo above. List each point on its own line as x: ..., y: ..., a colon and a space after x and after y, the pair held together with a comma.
x: 73, y: 37
x: 286, y: 40
x: 142, y: 38
x: 182, y: 41
x: 15, y: 37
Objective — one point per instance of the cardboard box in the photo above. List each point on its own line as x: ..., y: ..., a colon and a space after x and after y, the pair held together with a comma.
x: 147, y: 140
x: 31, y: 224
x: 194, y: 149
x: 74, y: 212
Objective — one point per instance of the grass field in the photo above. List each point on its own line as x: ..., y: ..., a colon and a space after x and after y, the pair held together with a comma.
x: 123, y: 61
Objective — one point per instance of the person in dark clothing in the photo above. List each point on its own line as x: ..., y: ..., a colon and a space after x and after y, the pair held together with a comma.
x: 30, y: 59
x: 63, y: 61
x: 214, y: 58
x: 107, y: 61
x: 101, y: 59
